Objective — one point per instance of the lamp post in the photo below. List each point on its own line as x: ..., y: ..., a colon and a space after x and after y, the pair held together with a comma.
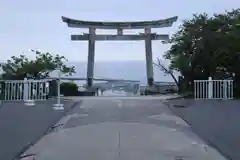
x: 58, y: 105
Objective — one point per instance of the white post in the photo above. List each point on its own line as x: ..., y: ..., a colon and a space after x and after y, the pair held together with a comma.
x: 1, y: 96
x: 26, y: 94
x: 139, y: 91
x: 210, y: 88
x: 58, y: 105
x: 225, y: 86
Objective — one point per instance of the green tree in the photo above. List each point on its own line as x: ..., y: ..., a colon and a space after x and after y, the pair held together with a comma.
x: 207, y: 46
x: 17, y: 68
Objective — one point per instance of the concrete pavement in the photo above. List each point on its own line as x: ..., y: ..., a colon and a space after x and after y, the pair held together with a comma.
x: 22, y: 125
x: 122, y: 129
x: 216, y: 121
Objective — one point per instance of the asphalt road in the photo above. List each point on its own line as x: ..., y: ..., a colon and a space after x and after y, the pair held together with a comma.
x: 22, y: 125
x: 216, y: 121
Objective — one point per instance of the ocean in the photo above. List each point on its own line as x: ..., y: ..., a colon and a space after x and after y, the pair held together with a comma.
x: 129, y: 70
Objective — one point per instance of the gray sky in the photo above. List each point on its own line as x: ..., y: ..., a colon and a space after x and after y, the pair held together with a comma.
x: 32, y: 24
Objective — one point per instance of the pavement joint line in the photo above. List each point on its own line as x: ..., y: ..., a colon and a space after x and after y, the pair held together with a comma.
x: 119, y: 144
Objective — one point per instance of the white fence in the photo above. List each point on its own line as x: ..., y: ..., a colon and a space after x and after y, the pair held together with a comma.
x: 28, y: 91
x: 213, y: 89
x: 23, y: 90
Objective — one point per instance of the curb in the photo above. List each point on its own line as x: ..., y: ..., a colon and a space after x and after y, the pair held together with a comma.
x: 179, y: 97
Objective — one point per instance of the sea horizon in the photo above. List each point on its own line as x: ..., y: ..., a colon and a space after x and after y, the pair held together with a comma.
x: 127, y: 70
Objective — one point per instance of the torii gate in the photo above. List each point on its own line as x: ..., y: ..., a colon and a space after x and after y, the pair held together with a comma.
x: 91, y: 37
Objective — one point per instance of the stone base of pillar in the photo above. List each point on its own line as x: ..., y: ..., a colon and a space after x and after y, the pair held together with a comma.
x: 29, y: 102
x: 150, y: 82
x: 58, y: 106
x: 89, y: 82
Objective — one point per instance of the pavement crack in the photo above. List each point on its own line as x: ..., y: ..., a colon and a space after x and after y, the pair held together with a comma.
x: 33, y: 155
x: 54, y: 128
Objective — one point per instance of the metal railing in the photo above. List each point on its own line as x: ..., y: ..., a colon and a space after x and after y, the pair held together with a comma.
x: 213, y: 89
x: 22, y: 90
x: 28, y: 91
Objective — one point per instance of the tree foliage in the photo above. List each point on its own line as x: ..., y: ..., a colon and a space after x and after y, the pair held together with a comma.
x: 207, y: 46
x: 17, y: 68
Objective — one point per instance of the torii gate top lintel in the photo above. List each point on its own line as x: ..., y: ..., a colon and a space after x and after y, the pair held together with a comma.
x: 73, y: 23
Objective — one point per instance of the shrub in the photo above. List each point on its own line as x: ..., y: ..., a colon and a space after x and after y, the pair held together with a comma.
x: 69, y: 89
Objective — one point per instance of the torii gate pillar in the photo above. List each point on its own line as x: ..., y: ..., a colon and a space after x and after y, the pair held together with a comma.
x: 148, y: 52
x: 91, y: 57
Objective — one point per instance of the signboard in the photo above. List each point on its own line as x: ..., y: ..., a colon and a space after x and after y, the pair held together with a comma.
x: 119, y: 37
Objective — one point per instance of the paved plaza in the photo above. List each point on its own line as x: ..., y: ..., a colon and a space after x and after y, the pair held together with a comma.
x: 122, y: 129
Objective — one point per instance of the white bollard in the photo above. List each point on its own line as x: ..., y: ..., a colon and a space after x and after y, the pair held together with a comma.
x: 58, y: 105
x: 27, y: 93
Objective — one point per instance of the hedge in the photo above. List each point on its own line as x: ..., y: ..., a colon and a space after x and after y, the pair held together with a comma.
x: 69, y: 89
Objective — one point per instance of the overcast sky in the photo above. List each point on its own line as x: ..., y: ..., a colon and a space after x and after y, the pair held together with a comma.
x: 36, y: 24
